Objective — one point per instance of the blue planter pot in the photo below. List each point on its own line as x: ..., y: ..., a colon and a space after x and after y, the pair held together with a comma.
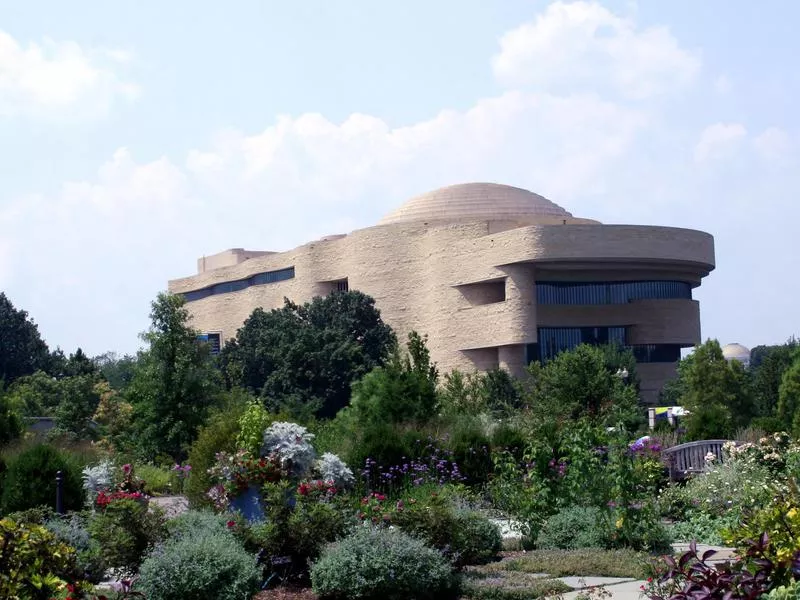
x: 248, y: 504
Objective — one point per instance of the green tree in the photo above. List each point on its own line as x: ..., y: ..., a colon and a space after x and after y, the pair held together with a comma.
x: 116, y: 370
x: 767, y: 365
x: 309, y: 354
x: 789, y: 397
x: 23, y: 352
x: 11, y: 424
x: 402, y: 390
x: 174, y: 384
x: 582, y: 382
x: 716, y: 394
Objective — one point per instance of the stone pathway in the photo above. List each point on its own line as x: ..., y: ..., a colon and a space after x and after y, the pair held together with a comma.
x: 620, y: 589
x: 172, y: 505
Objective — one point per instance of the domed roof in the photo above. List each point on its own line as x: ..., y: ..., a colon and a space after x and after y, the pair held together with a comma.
x: 736, y: 352
x: 478, y: 201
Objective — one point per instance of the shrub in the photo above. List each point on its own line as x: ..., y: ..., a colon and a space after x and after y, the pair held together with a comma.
x: 197, y: 522
x: 30, y: 480
x: 790, y: 591
x: 157, y: 480
x: 384, y: 564
x: 702, y: 528
x: 252, y: 424
x: 463, y: 536
x: 34, y: 563
x: 125, y: 530
x: 575, y: 527
x: 200, y: 564
x: 293, y: 534
x: 73, y: 531
x: 292, y: 444
x: 217, y: 435
x: 470, y: 450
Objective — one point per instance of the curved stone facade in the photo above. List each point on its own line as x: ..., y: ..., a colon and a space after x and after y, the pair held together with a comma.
x: 468, y: 279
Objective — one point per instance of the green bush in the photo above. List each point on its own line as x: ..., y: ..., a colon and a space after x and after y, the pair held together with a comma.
x: 157, y: 480
x: 217, y: 435
x: 199, y: 564
x: 197, y: 522
x: 35, y: 565
x: 30, y: 480
x: 126, y: 530
x: 384, y: 564
x: 73, y: 531
x: 470, y: 448
x: 702, y: 528
x: 575, y: 527
x: 298, y: 531
x: 790, y: 591
x: 463, y: 536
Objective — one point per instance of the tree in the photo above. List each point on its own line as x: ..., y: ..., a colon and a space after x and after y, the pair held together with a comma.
x: 11, y: 425
x: 582, y: 382
x: 715, y: 392
x: 309, y: 354
x: 23, y: 351
x: 174, y: 384
x: 767, y: 365
x: 789, y: 396
x: 403, y: 390
x: 116, y: 370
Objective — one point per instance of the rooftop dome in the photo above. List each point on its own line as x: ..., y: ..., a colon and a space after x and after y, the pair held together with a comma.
x: 736, y: 352
x: 478, y: 201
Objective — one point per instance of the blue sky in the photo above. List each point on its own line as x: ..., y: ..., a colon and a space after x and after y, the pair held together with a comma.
x: 137, y: 137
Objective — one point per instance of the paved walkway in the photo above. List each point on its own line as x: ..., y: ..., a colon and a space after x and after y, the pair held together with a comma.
x: 620, y: 589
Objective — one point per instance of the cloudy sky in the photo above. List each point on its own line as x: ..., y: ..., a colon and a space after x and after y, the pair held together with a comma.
x: 136, y: 137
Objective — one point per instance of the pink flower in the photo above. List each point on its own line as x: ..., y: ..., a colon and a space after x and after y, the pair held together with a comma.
x: 126, y: 469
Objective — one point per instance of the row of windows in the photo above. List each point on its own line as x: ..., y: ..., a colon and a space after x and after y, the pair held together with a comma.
x: 554, y: 340
x: 241, y: 284
x: 618, y: 292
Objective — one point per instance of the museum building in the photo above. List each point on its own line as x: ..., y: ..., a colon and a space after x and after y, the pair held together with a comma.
x: 494, y: 275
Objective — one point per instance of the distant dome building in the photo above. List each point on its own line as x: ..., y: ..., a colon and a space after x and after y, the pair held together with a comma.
x: 495, y: 275
x: 736, y: 352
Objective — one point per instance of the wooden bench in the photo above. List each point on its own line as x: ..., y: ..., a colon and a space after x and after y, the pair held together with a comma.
x: 687, y: 459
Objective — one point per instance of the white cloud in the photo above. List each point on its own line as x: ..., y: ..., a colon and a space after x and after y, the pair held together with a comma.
x: 59, y: 78
x: 103, y: 247
x: 772, y: 144
x: 718, y: 141
x: 584, y: 44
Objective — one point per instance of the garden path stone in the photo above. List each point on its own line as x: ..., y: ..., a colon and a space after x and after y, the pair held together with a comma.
x: 624, y: 589
x: 722, y: 552
x: 172, y: 505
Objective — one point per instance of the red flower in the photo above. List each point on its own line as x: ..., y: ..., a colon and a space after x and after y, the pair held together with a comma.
x: 303, y: 489
x: 231, y: 524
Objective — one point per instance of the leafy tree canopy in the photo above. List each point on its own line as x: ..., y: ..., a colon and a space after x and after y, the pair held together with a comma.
x: 309, y: 354
x: 789, y: 396
x: 585, y: 382
x: 23, y: 351
x: 767, y: 365
x: 174, y: 383
x: 403, y: 390
x: 116, y: 370
x: 716, y: 393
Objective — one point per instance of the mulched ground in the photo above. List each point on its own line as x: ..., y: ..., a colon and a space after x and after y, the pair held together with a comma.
x: 286, y: 593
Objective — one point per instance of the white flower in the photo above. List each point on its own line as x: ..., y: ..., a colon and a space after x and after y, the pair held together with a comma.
x: 332, y: 468
x: 292, y: 443
x: 711, y: 457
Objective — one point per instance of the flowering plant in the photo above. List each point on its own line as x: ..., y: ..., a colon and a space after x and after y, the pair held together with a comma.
x: 233, y: 473
x: 291, y: 443
x: 104, y: 499
x: 317, y: 489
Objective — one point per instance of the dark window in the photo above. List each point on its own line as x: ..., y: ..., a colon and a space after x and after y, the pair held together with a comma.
x: 212, y: 339
x: 657, y: 353
x: 240, y: 284
x: 342, y: 286
x: 619, y: 292
x: 553, y: 340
